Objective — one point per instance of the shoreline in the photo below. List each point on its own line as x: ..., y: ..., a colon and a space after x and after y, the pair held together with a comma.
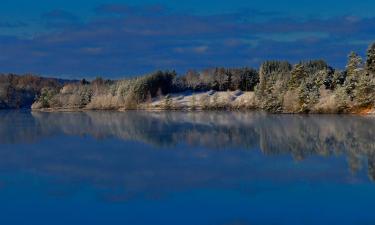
x: 67, y: 110
x: 202, y: 101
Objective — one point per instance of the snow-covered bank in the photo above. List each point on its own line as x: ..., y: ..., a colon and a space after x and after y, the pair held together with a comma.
x: 204, y: 100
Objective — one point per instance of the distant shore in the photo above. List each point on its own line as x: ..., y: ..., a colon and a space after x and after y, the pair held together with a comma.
x: 277, y: 87
x: 201, y: 101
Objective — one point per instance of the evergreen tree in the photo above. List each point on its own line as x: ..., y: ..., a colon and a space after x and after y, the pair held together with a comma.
x: 370, y: 62
x: 298, y: 74
x: 354, y: 64
x: 338, y: 78
x: 364, y: 91
x: 228, y: 80
x: 352, y: 70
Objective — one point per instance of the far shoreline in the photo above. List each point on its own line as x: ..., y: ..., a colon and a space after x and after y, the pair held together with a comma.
x: 201, y: 102
x: 49, y: 110
x: 308, y: 87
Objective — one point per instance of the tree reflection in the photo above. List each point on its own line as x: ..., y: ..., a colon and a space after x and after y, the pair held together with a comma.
x: 225, y: 135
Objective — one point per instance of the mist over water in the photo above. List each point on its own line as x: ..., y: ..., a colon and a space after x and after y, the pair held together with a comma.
x: 186, y: 168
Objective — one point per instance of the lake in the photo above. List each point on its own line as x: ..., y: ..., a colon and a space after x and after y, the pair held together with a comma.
x: 200, y: 168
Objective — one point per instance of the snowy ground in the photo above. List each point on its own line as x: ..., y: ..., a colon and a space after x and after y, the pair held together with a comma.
x: 209, y: 99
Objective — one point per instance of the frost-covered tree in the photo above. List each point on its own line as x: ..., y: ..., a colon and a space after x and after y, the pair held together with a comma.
x: 353, y: 70
x: 298, y: 74
x: 273, y: 83
x: 354, y: 64
x: 370, y: 62
x: 365, y: 86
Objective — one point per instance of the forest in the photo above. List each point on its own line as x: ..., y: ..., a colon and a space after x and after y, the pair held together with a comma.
x: 277, y: 87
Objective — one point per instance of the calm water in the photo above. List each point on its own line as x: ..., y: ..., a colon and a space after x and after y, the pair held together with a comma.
x: 204, y: 168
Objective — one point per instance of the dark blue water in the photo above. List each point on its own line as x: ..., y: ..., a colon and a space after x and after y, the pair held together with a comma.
x: 203, y: 168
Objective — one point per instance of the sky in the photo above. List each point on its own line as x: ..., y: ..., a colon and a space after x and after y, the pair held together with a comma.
x: 120, y: 38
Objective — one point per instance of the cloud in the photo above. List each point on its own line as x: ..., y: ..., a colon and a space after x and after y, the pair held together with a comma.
x: 122, y: 40
x: 11, y: 25
x: 121, y: 9
x: 336, y: 26
x: 60, y: 19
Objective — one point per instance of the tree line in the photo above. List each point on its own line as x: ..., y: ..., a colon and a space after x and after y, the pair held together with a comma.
x: 308, y: 86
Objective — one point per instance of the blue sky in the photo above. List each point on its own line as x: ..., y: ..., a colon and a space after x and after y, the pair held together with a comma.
x: 89, y: 38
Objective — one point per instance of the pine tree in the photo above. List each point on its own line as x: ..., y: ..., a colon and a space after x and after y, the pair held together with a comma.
x: 352, y: 70
x: 370, y: 62
x: 297, y: 76
x: 354, y: 64
x: 364, y: 91
x: 228, y: 80
x: 338, y: 78
x: 359, y: 83
x: 365, y: 86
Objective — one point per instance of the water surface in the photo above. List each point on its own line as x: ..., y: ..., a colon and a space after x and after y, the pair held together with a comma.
x: 201, y: 168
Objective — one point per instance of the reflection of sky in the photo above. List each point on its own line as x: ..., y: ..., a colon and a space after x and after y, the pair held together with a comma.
x: 162, y: 168
x: 89, y: 38
x: 90, y: 181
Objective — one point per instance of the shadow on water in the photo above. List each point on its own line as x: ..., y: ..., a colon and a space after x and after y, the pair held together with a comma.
x: 177, y: 150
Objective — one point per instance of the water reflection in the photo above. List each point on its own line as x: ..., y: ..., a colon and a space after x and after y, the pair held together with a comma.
x: 297, y: 135
x: 204, y: 147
